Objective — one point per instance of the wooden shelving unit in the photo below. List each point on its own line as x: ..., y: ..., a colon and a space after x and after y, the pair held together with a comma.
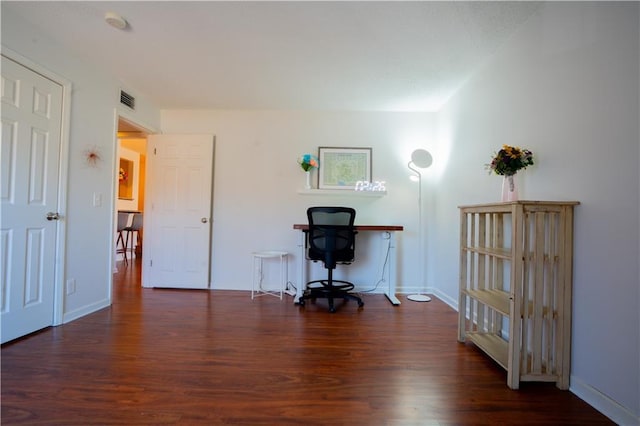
x: 516, y: 262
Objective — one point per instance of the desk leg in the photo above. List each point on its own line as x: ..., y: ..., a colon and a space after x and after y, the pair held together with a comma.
x: 302, y: 267
x: 391, y: 274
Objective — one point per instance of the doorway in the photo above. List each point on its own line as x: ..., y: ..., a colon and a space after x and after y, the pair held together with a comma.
x: 130, y: 192
x: 182, y: 165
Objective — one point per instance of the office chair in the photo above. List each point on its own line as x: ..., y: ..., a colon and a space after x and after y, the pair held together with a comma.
x: 330, y: 239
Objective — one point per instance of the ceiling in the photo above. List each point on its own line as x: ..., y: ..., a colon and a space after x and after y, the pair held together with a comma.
x: 303, y: 55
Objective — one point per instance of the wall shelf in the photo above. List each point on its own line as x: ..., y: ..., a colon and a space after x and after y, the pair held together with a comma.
x: 342, y: 192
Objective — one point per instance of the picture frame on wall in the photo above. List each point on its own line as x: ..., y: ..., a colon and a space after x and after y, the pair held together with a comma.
x: 342, y: 168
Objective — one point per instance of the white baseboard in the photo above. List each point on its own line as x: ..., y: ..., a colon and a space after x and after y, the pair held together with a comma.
x: 85, y: 310
x: 444, y: 297
x: 603, y: 403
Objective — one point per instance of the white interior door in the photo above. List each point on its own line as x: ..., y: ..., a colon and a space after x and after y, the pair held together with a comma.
x: 31, y: 125
x: 177, y: 236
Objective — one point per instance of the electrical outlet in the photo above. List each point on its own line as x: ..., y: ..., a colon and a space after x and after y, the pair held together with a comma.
x: 71, y: 286
x: 97, y: 199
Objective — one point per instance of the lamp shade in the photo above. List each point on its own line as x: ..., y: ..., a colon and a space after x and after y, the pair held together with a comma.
x: 421, y: 158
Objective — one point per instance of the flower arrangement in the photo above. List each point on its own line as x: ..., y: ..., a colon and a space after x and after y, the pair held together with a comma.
x: 308, y: 162
x: 509, y: 160
x: 122, y: 175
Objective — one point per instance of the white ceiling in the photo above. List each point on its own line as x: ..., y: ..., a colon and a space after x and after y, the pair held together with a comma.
x: 359, y: 56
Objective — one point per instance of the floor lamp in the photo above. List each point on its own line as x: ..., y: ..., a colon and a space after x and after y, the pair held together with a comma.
x: 420, y: 159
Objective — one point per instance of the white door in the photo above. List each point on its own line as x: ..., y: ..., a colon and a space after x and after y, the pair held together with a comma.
x: 31, y: 125
x: 177, y: 235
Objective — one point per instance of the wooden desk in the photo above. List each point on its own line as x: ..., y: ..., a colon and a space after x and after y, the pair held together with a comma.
x: 387, y: 232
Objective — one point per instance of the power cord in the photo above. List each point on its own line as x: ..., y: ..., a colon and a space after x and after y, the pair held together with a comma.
x: 384, y: 267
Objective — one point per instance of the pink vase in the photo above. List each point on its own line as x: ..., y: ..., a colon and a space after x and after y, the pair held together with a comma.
x: 509, y: 188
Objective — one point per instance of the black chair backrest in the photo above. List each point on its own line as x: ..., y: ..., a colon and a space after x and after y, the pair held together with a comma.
x: 331, y: 234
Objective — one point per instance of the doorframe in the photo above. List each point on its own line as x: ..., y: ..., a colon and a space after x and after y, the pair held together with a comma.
x: 60, y: 254
x: 150, y: 130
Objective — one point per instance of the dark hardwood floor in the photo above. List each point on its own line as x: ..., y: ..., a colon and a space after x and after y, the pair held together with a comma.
x: 200, y: 357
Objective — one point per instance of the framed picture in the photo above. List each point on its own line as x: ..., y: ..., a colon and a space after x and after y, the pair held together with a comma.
x: 342, y: 168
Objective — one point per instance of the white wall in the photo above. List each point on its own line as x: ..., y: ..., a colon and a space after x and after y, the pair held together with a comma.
x: 256, y: 179
x: 94, y: 100
x: 566, y: 86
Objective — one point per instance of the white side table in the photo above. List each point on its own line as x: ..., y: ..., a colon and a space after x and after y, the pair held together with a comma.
x: 258, y: 273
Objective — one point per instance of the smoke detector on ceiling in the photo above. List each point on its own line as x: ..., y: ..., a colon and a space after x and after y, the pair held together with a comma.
x: 115, y: 20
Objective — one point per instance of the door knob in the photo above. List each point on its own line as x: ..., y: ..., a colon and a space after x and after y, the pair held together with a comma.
x: 53, y: 216
x: 203, y: 220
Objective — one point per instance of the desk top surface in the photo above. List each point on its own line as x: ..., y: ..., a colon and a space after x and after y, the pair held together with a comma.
x: 305, y: 226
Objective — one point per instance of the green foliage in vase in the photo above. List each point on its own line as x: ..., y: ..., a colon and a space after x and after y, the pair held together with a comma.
x: 509, y: 160
x: 308, y: 162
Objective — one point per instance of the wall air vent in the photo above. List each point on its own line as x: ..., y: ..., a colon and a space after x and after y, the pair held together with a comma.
x: 127, y: 100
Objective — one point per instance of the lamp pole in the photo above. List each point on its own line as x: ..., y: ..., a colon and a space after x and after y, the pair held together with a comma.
x: 422, y: 159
